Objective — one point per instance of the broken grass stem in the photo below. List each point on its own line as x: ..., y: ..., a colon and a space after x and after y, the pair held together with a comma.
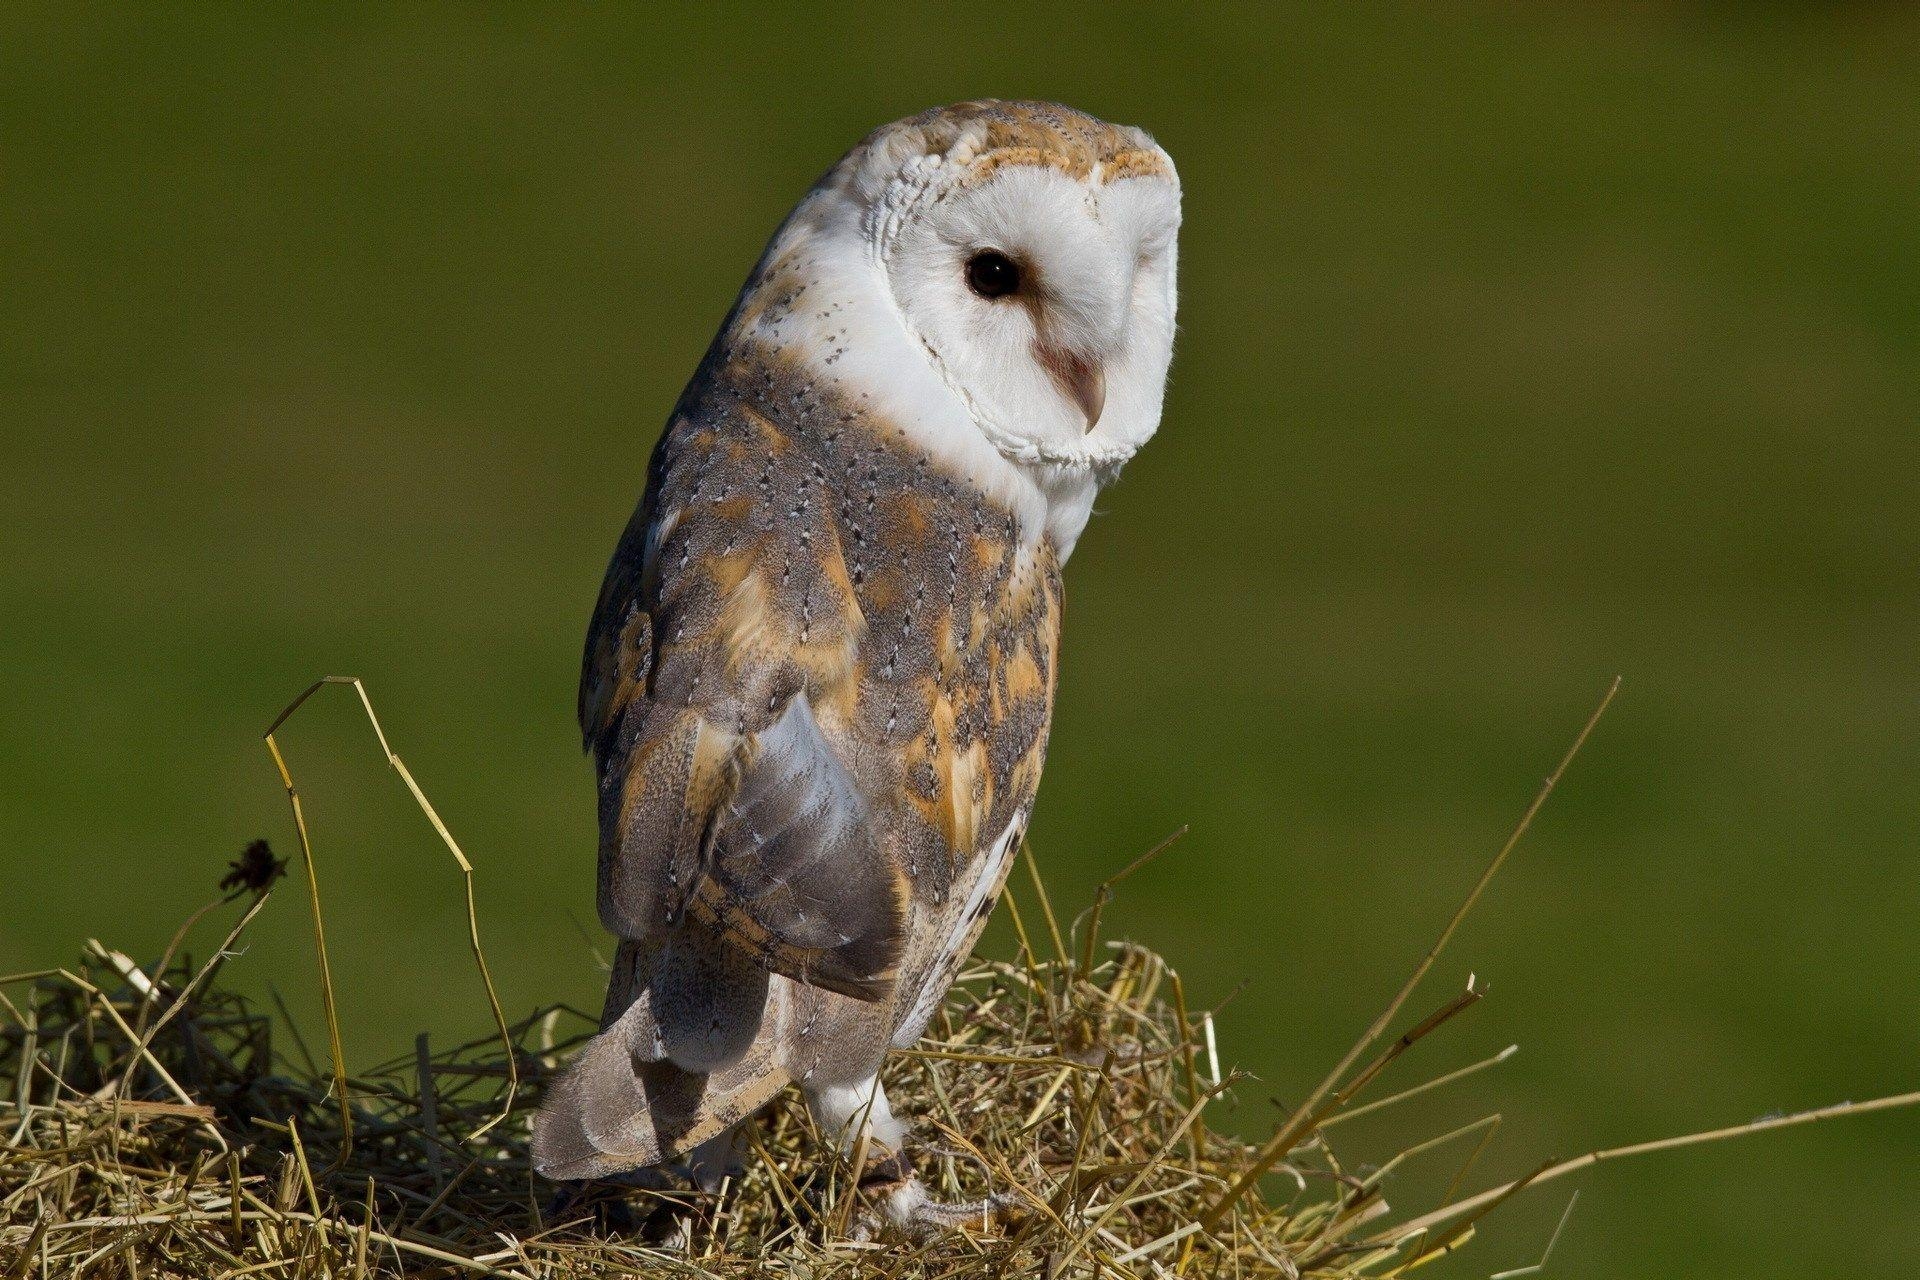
x: 453, y: 846
x: 1301, y: 1123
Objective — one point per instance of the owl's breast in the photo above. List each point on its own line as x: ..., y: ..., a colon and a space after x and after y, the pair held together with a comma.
x: 955, y: 664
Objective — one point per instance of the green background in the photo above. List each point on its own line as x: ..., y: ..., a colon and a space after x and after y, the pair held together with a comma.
x: 1522, y: 346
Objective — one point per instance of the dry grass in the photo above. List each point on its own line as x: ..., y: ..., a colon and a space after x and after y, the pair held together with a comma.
x: 156, y: 1125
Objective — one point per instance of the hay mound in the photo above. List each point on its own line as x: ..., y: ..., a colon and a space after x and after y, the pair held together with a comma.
x: 153, y: 1125
x: 157, y: 1126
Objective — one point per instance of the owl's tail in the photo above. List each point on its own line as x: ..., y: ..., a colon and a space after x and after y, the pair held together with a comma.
x: 658, y: 1081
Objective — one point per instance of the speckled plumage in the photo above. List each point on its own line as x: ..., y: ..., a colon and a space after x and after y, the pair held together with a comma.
x: 817, y: 684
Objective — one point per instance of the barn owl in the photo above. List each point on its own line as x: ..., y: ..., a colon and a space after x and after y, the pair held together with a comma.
x: 819, y: 679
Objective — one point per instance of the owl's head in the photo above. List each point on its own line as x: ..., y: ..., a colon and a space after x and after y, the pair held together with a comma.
x: 997, y: 276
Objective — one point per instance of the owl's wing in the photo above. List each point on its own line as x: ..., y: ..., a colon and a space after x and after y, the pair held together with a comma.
x: 792, y: 868
x: 723, y: 803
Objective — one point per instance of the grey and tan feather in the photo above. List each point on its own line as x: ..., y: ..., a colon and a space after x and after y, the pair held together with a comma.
x: 819, y: 679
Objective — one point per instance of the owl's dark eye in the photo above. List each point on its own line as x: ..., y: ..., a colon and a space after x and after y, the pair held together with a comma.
x: 992, y: 274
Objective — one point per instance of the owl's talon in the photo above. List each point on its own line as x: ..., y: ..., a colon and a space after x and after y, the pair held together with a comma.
x: 881, y: 1177
x: 908, y: 1208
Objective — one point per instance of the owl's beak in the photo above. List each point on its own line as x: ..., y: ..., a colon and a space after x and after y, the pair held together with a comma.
x: 1081, y: 379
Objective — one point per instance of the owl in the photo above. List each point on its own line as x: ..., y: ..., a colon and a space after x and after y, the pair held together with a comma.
x: 819, y: 679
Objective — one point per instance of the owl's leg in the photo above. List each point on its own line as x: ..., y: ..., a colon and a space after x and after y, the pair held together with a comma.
x: 887, y: 1176
x: 717, y: 1159
x: 843, y: 1111
x: 707, y: 1167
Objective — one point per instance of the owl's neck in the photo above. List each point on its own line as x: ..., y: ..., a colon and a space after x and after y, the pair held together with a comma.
x: 815, y: 317
x: 843, y: 431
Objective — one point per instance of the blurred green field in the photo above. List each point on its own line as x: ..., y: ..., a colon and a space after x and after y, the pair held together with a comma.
x: 1523, y: 346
